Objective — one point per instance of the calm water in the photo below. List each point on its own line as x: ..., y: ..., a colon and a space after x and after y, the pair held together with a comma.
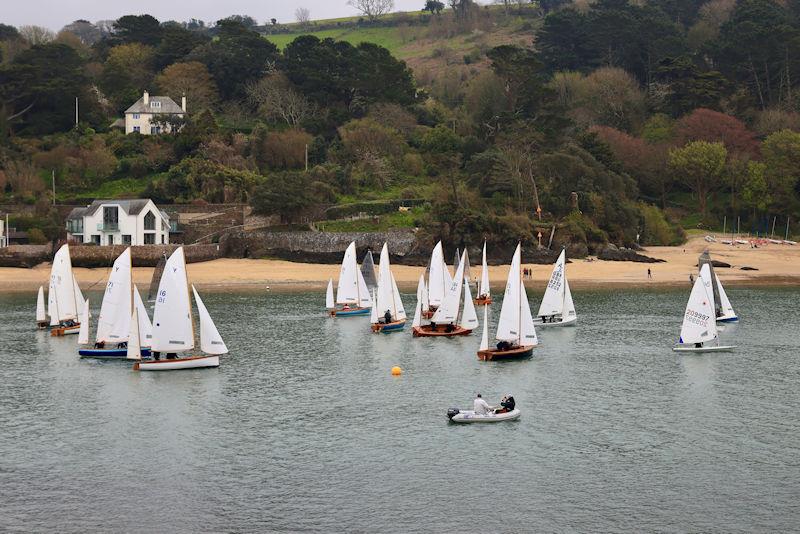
x: 304, y: 429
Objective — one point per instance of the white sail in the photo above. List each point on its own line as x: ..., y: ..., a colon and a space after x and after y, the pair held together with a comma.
x: 421, y: 296
x: 425, y: 306
x: 469, y: 319
x: 439, y: 278
x: 467, y: 272
x: 329, y: 302
x: 724, y: 302
x: 350, y: 277
x: 699, y: 321
x: 83, y: 331
x: 516, y: 324
x: 364, y: 300
x: 569, y: 306
x: 553, y: 299
x: 417, y: 315
x: 385, y: 299
x: 134, y: 351
x: 447, y: 312
x: 210, y: 340
x: 63, y: 286
x: 78, y: 295
x: 52, y: 305
x: 485, y: 336
x: 399, y: 309
x: 373, y: 310
x: 113, y: 323
x: 172, y: 318
x: 145, y: 326
x: 40, y: 313
x: 483, y: 287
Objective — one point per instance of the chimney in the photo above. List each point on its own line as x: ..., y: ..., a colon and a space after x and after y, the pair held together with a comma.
x: 146, y: 97
x: 183, y: 102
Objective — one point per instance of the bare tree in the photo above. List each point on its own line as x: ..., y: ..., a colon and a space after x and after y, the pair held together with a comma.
x: 36, y: 34
x: 303, y: 15
x: 277, y: 100
x: 372, y: 8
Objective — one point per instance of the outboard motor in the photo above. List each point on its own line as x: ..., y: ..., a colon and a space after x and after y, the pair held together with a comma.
x: 452, y: 412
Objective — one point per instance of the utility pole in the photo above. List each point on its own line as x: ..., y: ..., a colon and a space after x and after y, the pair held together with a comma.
x: 724, y: 224
x: 53, y: 174
x: 306, y: 157
x: 772, y: 234
x: 76, y: 111
x: 786, y: 238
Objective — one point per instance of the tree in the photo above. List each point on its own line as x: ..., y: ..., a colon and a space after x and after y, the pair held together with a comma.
x: 87, y: 32
x: 285, y: 194
x: 302, y: 15
x: 520, y: 72
x: 372, y: 8
x: 8, y: 32
x: 143, y: 29
x: 433, y: 6
x: 286, y: 150
x: 177, y: 43
x: 709, y: 125
x: 245, y: 20
x: 36, y: 35
x: 700, y: 166
x: 236, y: 57
x: 610, y: 97
x: 278, y: 100
x: 191, y: 79
x: 781, y: 151
x: 687, y: 87
x: 127, y: 72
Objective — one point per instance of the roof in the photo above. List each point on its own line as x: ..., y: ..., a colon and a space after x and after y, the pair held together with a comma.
x: 168, y: 106
x: 119, y: 123
x: 131, y: 207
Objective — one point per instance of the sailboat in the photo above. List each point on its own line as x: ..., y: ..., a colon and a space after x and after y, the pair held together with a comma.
x: 484, y: 292
x: 113, y: 323
x: 422, y: 294
x: 173, y: 326
x: 723, y: 309
x: 41, y: 314
x: 445, y: 320
x: 351, y: 292
x: 699, y: 324
x: 387, y: 298
x: 557, y: 308
x: 438, y: 280
x: 515, y: 329
x: 64, y: 296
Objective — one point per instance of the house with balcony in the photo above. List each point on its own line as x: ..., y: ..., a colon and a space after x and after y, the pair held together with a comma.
x: 119, y: 222
x: 146, y: 116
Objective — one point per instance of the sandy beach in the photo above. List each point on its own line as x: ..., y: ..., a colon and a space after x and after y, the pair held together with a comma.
x: 776, y: 264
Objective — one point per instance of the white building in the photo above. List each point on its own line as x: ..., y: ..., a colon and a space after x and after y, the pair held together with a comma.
x: 143, y: 117
x: 119, y: 222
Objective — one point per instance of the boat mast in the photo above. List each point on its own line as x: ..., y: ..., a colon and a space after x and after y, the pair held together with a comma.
x: 189, y: 298
x: 519, y: 311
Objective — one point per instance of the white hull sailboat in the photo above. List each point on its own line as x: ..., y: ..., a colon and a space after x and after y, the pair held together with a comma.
x: 515, y: 329
x: 388, y: 314
x: 65, y: 300
x: 351, y: 292
x: 173, y: 326
x: 699, y: 325
x: 557, y: 308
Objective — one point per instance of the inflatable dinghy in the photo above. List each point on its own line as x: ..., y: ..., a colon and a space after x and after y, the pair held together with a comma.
x: 469, y: 416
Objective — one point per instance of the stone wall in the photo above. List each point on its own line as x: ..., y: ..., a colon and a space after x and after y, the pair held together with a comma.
x: 25, y: 255
x: 321, y: 247
x: 204, y: 222
x: 142, y: 256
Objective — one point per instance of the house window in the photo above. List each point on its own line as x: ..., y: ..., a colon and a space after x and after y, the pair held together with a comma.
x: 162, y: 239
x: 110, y: 219
x: 149, y: 221
x: 135, y: 115
x: 78, y: 238
x: 155, y: 104
x: 126, y: 239
x: 110, y: 239
x: 96, y: 239
x: 155, y: 130
x: 137, y: 129
x: 75, y: 226
x: 149, y: 239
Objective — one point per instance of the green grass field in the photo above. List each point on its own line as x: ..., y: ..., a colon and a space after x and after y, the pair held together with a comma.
x: 388, y: 38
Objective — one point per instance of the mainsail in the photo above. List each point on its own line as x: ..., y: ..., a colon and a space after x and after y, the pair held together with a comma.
x: 173, y: 329
x: 516, y: 324
x: 368, y: 271
x: 699, y: 323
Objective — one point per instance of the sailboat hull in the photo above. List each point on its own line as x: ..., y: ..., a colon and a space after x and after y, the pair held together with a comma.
x: 440, y: 331
x: 483, y: 302
x: 569, y: 321
x: 692, y: 348
x: 387, y: 328
x: 109, y: 354
x: 349, y: 313
x: 177, y: 364
x: 42, y: 325
x: 728, y: 319
x: 517, y: 353
x: 65, y: 330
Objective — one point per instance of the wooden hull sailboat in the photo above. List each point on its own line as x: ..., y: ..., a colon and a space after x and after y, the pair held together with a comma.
x: 445, y: 321
x: 484, y: 301
x: 428, y: 330
x: 65, y: 330
x: 515, y: 329
x: 484, y: 297
x: 64, y: 296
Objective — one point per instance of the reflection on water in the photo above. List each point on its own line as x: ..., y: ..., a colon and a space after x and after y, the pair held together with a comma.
x: 303, y: 428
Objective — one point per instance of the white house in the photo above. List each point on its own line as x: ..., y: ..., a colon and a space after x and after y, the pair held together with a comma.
x: 143, y: 116
x: 119, y: 222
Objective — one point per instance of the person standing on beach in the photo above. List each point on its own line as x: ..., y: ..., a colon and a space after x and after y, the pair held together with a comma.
x: 691, y: 278
x: 649, y: 274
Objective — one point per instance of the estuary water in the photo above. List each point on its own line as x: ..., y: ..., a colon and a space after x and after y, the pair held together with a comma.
x: 303, y: 429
